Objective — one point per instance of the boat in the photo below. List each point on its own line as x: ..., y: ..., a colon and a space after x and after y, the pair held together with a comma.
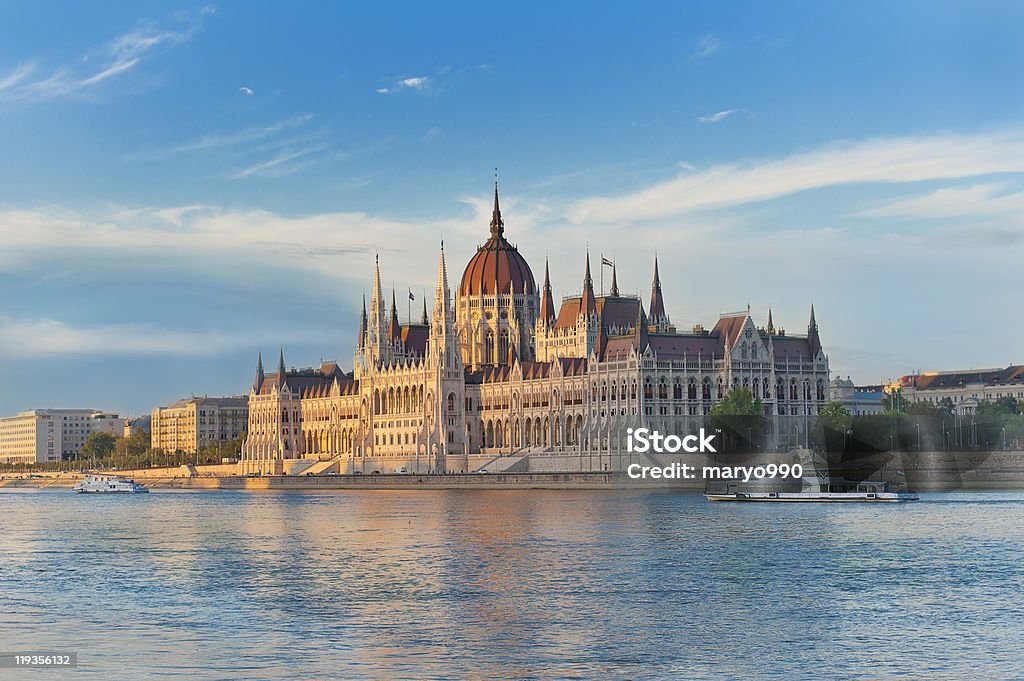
x: 98, y: 484
x: 819, y: 487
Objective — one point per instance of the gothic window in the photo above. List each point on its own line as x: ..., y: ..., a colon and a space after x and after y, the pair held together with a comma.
x: 677, y: 390
x: 792, y: 390
x: 648, y: 390
x: 489, y: 348
x: 451, y: 403
x: 780, y: 390
x: 662, y: 390
x: 705, y: 391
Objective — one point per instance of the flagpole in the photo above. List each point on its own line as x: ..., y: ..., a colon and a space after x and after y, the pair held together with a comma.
x: 602, y: 274
x: 408, y: 306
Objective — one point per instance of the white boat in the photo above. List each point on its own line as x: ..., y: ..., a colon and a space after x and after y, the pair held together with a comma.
x: 97, y: 484
x: 816, y: 487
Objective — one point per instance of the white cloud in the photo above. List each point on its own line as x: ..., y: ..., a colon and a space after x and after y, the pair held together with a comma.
x: 977, y: 200
x: 245, y: 90
x: 417, y: 83
x: 117, y: 57
x: 20, y: 73
x: 42, y: 337
x: 706, y: 46
x: 716, y: 117
x: 249, y: 134
x: 881, y: 160
x: 279, y: 166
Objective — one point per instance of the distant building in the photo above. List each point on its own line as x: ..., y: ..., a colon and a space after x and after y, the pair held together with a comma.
x: 137, y: 425
x: 859, y: 400
x: 966, y: 389
x: 189, y: 425
x: 45, y: 435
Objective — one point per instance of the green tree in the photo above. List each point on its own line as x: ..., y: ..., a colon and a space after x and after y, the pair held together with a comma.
x: 894, y: 402
x: 741, y: 420
x: 832, y: 427
x: 98, y: 446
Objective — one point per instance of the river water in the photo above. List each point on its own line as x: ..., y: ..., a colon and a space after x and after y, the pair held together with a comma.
x: 511, y: 585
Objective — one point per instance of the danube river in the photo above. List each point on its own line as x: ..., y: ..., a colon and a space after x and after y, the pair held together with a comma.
x: 511, y: 585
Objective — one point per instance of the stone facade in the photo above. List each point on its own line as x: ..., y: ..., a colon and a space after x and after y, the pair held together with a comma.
x: 189, y: 425
x: 496, y: 374
x: 46, y: 435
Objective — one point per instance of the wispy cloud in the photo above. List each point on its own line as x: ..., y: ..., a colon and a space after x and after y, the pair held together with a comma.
x: 882, y: 160
x: 716, y: 117
x: 706, y: 46
x: 253, y: 133
x: 287, y: 162
x: 246, y: 90
x: 120, y: 55
x: 977, y: 200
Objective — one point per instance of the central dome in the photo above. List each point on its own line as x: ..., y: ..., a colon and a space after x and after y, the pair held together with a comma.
x: 497, y: 266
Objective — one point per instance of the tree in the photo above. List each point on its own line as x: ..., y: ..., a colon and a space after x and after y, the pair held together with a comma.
x: 832, y: 427
x: 740, y: 418
x: 894, y: 402
x: 98, y: 446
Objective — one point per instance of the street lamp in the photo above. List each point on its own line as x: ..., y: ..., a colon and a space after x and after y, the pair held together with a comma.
x: 918, y: 426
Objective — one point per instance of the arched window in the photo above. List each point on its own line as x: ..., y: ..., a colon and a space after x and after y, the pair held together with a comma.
x: 662, y: 390
x: 648, y: 389
x: 705, y: 392
x: 691, y: 389
x: 451, y: 403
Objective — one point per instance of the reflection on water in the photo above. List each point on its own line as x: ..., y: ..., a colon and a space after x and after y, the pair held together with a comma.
x: 512, y: 584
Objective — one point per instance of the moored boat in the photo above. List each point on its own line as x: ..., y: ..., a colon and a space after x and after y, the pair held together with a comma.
x: 100, y: 484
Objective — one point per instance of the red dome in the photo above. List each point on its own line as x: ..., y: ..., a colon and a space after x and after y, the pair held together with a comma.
x: 497, y: 266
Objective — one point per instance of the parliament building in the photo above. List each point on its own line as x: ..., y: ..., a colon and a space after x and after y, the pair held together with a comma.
x: 496, y: 377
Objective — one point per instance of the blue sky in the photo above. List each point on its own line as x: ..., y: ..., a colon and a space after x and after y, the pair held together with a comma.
x: 184, y: 185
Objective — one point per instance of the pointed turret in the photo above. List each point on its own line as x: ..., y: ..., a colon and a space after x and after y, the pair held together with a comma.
x: 259, y: 373
x: 588, y: 305
x: 658, y: 317
x: 394, y: 329
x: 281, y: 371
x: 497, y: 225
x: 614, y: 293
x: 812, y: 334
x: 771, y: 325
x: 547, y: 303
x: 361, y: 336
x: 424, y: 320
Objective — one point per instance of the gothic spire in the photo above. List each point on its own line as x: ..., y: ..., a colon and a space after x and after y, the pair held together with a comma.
x: 281, y: 371
x: 658, y: 316
x: 615, y: 284
x: 497, y: 225
x: 423, y: 320
x: 771, y: 325
x: 259, y: 372
x: 547, y: 303
x: 361, y: 338
x: 588, y: 305
x: 813, y: 340
x: 393, y: 328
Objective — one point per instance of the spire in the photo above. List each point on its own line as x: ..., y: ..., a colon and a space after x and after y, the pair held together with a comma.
x: 547, y: 303
x: 259, y: 372
x: 497, y: 225
x: 588, y: 305
x: 394, y: 330
x: 361, y: 338
x: 658, y: 316
x: 615, y: 284
x: 423, y: 320
x: 812, y: 334
x: 771, y: 325
x: 281, y: 371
